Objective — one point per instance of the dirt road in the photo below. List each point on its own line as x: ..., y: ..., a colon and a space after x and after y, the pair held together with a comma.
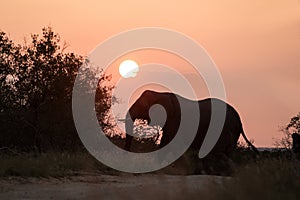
x: 108, y: 187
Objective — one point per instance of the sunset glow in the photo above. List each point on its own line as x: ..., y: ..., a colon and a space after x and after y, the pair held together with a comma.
x: 255, y: 44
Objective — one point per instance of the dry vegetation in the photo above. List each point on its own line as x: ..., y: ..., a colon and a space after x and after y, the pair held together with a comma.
x: 272, y: 175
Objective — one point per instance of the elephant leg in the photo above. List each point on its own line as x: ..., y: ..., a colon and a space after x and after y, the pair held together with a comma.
x: 196, y: 164
x: 169, y: 132
x: 164, y: 139
x: 218, y: 164
x: 233, y: 139
x: 228, y: 165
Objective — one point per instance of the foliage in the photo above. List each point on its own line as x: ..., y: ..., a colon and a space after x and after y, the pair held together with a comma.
x: 142, y: 130
x: 50, y: 164
x: 286, y: 141
x: 36, y: 82
x: 103, y: 102
x: 292, y: 127
x: 267, y: 178
x: 271, y: 176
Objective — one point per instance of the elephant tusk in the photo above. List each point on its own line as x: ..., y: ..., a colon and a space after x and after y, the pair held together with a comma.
x: 122, y: 120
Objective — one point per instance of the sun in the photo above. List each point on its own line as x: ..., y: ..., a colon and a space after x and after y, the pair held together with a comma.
x: 128, y: 68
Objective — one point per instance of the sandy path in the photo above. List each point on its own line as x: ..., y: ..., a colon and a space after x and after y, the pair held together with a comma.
x: 107, y: 187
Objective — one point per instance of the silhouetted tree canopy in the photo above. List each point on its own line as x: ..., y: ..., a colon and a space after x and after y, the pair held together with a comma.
x: 292, y: 127
x: 36, y: 83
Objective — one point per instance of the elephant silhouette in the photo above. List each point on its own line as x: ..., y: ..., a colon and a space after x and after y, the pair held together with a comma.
x: 225, y: 144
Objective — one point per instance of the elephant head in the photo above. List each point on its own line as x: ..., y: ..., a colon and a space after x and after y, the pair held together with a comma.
x: 157, y: 109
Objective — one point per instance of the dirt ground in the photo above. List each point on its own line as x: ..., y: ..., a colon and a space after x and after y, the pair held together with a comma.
x: 107, y: 187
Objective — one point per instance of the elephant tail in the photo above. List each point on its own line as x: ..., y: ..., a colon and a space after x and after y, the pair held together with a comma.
x: 249, y: 143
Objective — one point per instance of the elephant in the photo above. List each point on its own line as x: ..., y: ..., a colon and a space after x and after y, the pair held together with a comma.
x: 228, y: 138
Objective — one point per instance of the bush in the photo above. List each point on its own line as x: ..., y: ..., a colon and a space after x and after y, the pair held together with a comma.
x: 36, y: 83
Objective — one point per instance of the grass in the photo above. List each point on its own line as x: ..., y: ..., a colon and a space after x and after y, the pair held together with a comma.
x: 264, y: 179
x: 271, y: 176
x: 50, y: 164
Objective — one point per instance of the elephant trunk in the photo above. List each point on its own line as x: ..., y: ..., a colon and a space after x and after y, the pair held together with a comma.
x: 137, y: 111
x: 129, y: 132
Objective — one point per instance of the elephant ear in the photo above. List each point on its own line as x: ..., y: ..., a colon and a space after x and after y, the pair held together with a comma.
x: 173, y: 103
x: 167, y: 100
x: 141, y: 106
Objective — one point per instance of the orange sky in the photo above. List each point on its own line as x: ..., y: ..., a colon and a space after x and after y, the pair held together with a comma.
x: 255, y: 44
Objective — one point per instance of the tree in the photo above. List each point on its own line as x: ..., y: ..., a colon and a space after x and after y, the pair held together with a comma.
x: 9, y: 58
x: 292, y: 127
x: 36, y: 86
